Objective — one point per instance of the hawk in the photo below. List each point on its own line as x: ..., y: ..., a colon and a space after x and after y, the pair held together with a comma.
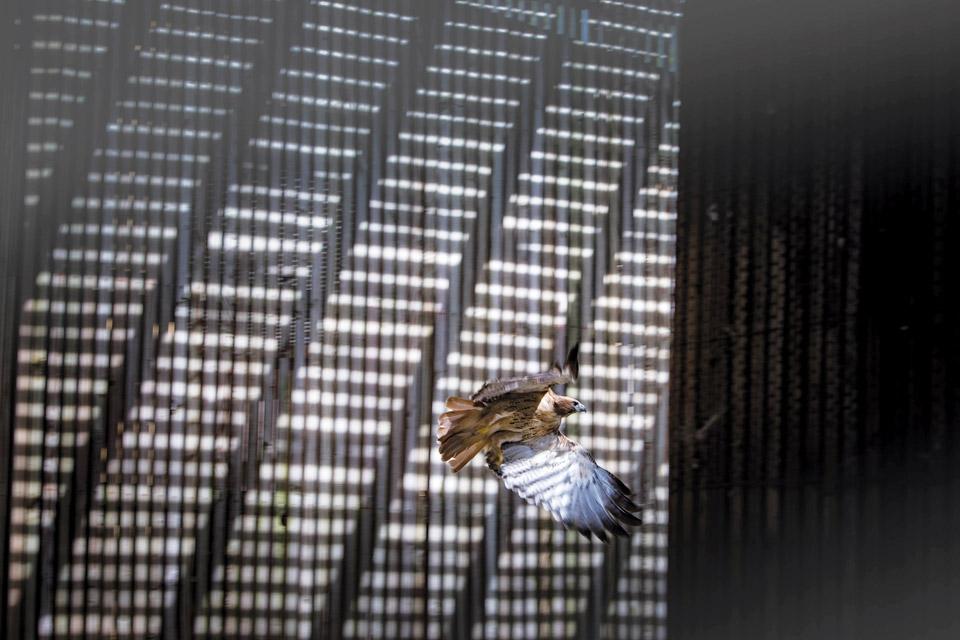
x: 516, y: 421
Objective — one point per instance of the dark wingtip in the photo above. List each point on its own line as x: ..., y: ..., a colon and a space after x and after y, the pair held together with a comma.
x: 572, y: 365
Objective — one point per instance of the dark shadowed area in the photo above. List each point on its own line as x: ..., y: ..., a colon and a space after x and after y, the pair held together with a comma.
x: 814, y: 395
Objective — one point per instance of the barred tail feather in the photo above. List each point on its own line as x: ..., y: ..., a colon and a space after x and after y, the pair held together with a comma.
x: 458, y: 433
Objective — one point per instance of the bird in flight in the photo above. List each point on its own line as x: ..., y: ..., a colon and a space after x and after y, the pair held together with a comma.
x: 516, y: 421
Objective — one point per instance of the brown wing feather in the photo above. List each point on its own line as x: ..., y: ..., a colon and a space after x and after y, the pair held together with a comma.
x: 537, y: 382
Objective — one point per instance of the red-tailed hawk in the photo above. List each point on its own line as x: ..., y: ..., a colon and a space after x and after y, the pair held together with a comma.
x: 516, y: 421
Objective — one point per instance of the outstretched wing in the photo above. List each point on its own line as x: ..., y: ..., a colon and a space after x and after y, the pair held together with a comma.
x: 536, y: 382
x: 560, y: 475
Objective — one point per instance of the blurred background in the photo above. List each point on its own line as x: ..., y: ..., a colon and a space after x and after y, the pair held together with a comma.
x: 257, y: 244
x: 250, y: 246
x: 815, y: 397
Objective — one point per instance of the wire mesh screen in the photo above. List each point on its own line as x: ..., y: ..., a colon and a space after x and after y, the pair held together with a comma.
x: 260, y: 243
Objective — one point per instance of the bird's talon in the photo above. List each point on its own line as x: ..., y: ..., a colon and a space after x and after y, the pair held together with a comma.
x: 494, y: 460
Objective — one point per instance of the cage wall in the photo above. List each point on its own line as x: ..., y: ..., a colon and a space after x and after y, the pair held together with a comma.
x: 252, y: 248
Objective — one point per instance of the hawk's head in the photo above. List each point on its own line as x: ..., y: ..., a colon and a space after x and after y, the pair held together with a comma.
x: 565, y: 405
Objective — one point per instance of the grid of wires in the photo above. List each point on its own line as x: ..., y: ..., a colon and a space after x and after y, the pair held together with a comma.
x: 281, y: 234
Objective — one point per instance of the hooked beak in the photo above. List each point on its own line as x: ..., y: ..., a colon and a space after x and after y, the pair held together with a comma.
x: 581, y: 407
